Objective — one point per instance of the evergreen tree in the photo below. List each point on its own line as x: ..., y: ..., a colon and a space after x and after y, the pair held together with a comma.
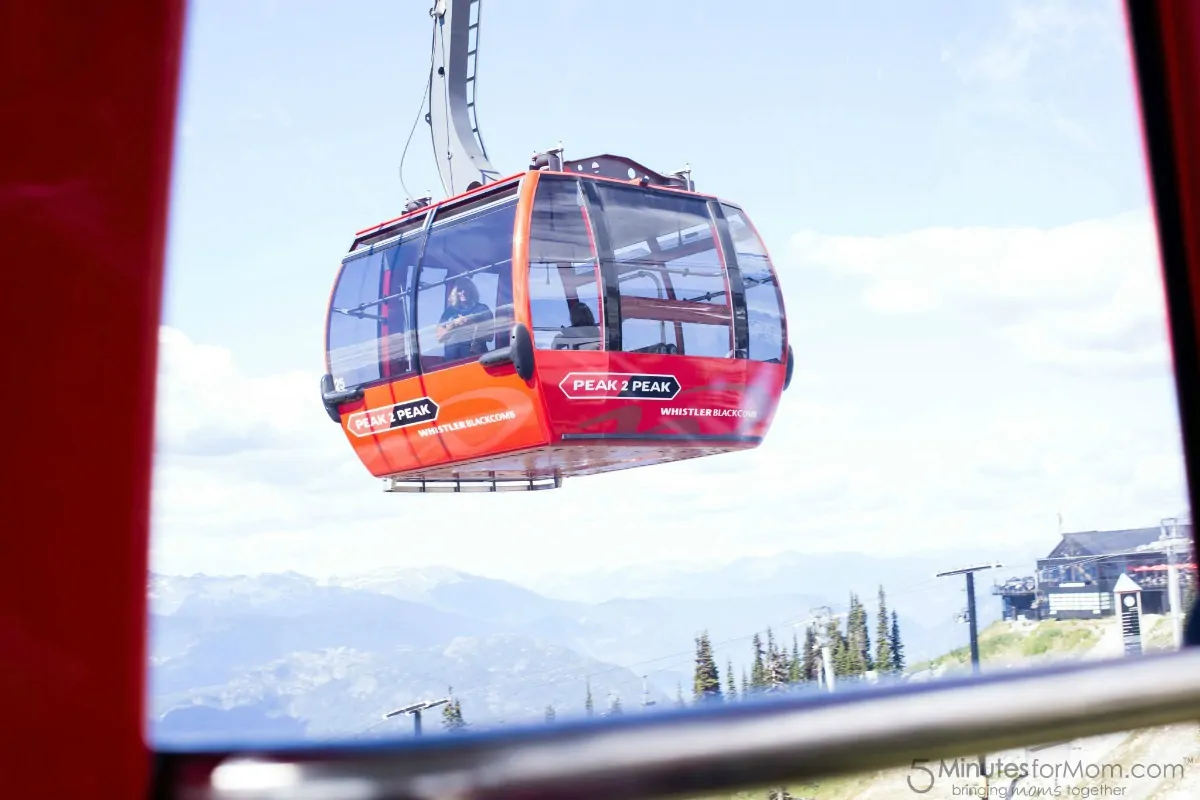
x: 858, y: 644
x: 452, y: 718
x: 839, y: 650
x: 883, y: 637
x: 731, y: 693
x: 1188, y: 598
x: 679, y: 701
x: 550, y: 715
x: 459, y: 723
x: 745, y: 683
x: 614, y: 709
x: 758, y: 669
x: 864, y: 625
x: 897, y: 646
x: 811, y: 658
x: 775, y: 670
x: 795, y: 665
x: 706, y: 685
x: 588, y: 703
x: 845, y: 657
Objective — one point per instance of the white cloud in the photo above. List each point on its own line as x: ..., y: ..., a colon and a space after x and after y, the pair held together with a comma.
x: 1085, y: 295
x: 1039, y: 67
x: 208, y: 407
x: 1034, y: 28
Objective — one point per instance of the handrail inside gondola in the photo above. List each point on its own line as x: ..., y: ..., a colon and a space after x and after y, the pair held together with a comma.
x: 406, y: 292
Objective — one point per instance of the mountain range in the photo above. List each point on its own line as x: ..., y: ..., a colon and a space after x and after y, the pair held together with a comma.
x: 286, y: 656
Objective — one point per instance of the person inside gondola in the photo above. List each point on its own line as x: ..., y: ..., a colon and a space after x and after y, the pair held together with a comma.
x: 583, y: 334
x: 465, y: 328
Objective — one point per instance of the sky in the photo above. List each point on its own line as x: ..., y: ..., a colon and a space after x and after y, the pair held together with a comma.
x: 953, y: 194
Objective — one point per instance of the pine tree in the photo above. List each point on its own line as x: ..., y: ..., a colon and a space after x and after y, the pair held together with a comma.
x: 858, y: 655
x: 811, y: 665
x: 897, y: 646
x: 868, y: 657
x: 1188, y: 599
x: 588, y: 703
x: 459, y: 723
x: 550, y: 714
x: 731, y: 693
x: 795, y: 666
x: 848, y: 663
x: 758, y: 673
x: 679, y: 701
x: 883, y: 637
x: 452, y: 718
x: 745, y: 683
x: 614, y: 709
x: 706, y: 685
x: 839, y: 653
x: 775, y: 671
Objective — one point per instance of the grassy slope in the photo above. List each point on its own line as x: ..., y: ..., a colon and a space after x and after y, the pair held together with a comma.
x: 1011, y: 643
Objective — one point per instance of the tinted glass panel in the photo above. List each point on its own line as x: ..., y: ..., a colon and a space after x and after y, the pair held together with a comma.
x: 564, y: 285
x: 764, y: 308
x: 369, y: 326
x: 353, y: 344
x: 674, y: 294
x: 464, y: 301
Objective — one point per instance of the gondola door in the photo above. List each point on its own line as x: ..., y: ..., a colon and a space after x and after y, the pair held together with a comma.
x: 464, y: 309
x: 371, y: 355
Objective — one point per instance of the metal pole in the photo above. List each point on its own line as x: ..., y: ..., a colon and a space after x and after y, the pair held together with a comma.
x: 827, y: 666
x: 1173, y: 594
x: 975, y: 659
x: 1175, y: 600
x: 646, y: 701
x: 974, y: 634
x: 820, y: 619
x: 415, y: 711
x: 971, y: 621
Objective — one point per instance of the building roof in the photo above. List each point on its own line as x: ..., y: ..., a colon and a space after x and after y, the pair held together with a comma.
x: 1099, y: 543
x: 1126, y: 584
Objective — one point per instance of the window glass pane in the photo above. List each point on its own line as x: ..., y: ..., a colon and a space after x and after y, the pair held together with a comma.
x: 564, y: 287
x: 353, y: 343
x: 369, y: 321
x: 674, y: 292
x: 465, y: 285
x: 763, y: 306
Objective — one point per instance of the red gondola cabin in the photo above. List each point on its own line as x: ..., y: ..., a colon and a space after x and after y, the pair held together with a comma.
x: 550, y: 325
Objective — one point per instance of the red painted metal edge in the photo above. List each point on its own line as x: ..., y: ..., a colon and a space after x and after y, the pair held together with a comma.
x: 1164, y: 35
x: 88, y: 99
